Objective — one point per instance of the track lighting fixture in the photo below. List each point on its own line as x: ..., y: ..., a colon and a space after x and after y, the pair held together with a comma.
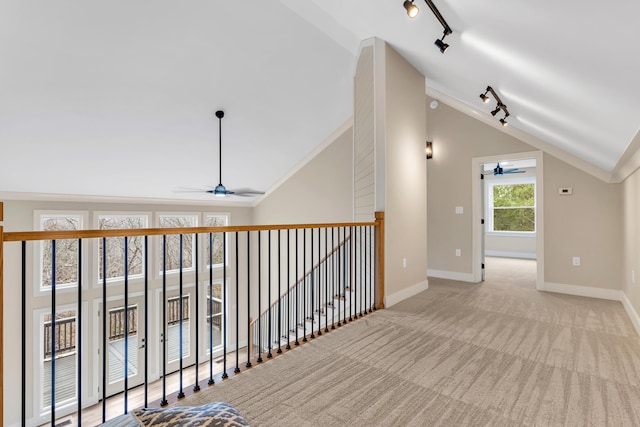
x: 484, y: 96
x: 441, y: 44
x: 499, y: 106
x: 429, y: 150
x: 412, y: 11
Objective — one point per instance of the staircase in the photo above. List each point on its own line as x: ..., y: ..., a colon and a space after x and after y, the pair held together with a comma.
x: 328, y: 296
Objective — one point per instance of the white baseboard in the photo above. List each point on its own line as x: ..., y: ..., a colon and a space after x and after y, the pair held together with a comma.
x: 505, y: 254
x: 451, y: 275
x: 631, y: 312
x: 583, y: 291
x: 402, y: 295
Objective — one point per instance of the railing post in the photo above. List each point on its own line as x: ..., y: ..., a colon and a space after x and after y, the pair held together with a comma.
x: 2, y: 314
x: 379, y: 269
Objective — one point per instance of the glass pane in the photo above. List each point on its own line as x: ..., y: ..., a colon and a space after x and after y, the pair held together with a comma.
x: 214, y: 323
x: 115, y: 246
x: 66, y: 251
x: 215, y: 221
x: 514, y: 219
x: 116, y: 344
x: 173, y: 242
x: 514, y: 195
x: 65, y: 347
x: 173, y: 328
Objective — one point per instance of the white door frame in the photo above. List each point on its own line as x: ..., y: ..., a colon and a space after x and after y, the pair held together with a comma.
x: 477, y: 214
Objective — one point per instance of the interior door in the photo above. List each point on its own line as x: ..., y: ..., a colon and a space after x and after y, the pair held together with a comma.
x: 125, y: 351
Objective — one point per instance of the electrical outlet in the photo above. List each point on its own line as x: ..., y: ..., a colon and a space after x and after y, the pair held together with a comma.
x: 458, y: 252
x: 404, y: 263
x: 576, y: 261
x: 459, y: 210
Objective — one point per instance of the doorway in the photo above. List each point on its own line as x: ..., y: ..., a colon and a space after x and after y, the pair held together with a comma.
x: 507, y: 213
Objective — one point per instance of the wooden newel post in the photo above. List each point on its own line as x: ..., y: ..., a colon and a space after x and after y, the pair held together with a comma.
x: 379, y: 260
x: 2, y: 315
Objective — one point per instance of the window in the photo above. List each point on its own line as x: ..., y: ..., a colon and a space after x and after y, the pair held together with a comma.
x: 116, y: 245
x: 66, y: 273
x: 213, y: 331
x: 215, y: 220
x: 172, y: 253
x: 63, y: 337
x: 511, y: 206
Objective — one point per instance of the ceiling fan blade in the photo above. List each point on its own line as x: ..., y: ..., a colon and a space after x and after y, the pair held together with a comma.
x: 248, y: 192
x: 513, y: 171
x: 191, y: 190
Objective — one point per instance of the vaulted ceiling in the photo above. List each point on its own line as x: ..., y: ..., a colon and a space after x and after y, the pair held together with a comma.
x: 118, y: 98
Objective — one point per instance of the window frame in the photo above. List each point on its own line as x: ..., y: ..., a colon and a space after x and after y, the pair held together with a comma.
x: 489, y: 208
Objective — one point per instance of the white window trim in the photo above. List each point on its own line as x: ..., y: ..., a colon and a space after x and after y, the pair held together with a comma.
x: 38, y: 215
x: 489, y: 184
x: 159, y: 215
x: 227, y: 217
x: 96, y: 258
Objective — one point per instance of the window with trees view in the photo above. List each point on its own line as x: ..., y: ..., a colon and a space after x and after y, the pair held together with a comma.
x: 172, y: 253
x: 511, y: 206
x: 66, y: 251
x: 215, y: 251
x: 115, y: 246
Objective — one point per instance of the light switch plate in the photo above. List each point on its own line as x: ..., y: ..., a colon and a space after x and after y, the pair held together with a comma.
x: 459, y: 210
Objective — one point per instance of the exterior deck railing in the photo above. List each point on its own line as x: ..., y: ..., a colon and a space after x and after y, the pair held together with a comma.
x: 279, y: 275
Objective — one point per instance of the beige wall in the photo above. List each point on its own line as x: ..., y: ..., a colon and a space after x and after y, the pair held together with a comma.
x: 631, y: 239
x: 406, y: 191
x: 457, y: 138
x: 320, y: 192
x: 586, y: 224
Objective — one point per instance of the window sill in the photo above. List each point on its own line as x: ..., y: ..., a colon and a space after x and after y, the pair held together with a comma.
x: 511, y: 234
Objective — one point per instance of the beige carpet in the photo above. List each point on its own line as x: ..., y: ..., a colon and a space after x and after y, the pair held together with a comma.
x: 459, y: 354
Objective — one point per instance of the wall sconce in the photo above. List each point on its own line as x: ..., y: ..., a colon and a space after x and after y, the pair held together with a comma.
x: 429, y: 150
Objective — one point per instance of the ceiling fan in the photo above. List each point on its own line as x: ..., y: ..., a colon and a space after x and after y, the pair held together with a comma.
x: 220, y: 190
x: 499, y: 170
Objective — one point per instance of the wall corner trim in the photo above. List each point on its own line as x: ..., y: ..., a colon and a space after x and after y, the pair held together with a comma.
x: 631, y: 312
x: 583, y: 291
x: 405, y: 293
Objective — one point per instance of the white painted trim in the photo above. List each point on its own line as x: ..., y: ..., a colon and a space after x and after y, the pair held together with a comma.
x: 583, y: 291
x: 406, y: 293
x: 451, y: 275
x: 631, y: 312
x: 507, y: 254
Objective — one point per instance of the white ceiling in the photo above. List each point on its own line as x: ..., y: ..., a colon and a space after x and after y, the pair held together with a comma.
x: 117, y: 98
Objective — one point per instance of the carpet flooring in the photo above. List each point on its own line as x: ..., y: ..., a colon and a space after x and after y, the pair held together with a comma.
x: 498, y: 353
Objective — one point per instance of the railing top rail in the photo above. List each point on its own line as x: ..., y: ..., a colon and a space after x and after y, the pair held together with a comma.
x: 19, y: 236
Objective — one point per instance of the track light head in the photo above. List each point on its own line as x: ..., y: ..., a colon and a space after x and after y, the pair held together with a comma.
x: 412, y: 9
x: 484, y: 96
x: 497, y: 110
x: 441, y: 44
x: 503, y: 122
